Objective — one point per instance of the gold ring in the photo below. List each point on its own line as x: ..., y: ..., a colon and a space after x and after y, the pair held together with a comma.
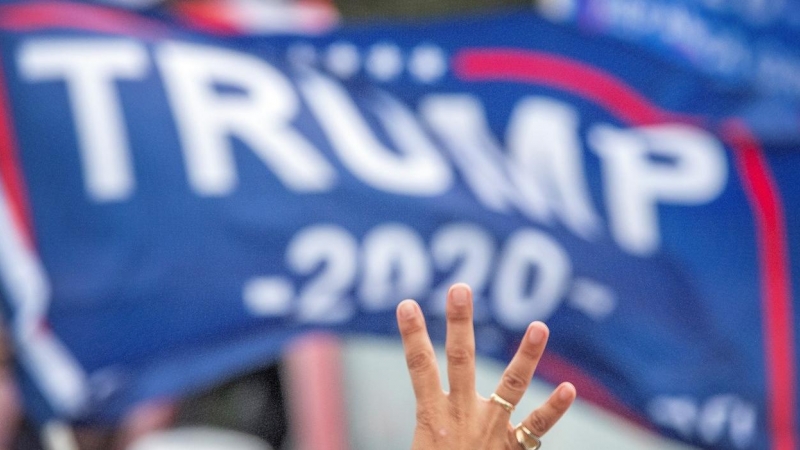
x: 527, y: 440
x: 502, y: 402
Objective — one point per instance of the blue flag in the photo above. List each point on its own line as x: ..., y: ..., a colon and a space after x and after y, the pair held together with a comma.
x: 177, y: 204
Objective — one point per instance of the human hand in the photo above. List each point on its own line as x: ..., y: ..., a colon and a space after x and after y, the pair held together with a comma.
x: 462, y: 419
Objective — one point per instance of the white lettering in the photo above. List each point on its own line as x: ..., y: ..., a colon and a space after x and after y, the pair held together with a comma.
x: 459, y: 121
x: 396, y: 265
x: 540, y: 177
x: 260, y: 116
x: 89, y: 69
x: 417, y: 168
x: 720, y: 419
x: 674, y: 164
x: 676, y: 413
x: 330, y: 253
x: 530, y: 254
x: 543, y: 144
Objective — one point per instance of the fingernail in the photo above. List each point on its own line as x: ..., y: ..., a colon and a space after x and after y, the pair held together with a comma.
x: 564, y: 393
x: 459, y: 295
x: 407, y: 310
x: 535, y: 334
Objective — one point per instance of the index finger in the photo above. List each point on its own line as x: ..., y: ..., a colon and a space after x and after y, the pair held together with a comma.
x: 420, y: 357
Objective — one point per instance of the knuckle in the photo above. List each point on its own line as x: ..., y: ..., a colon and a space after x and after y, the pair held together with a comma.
x: 457, y: 415
x: 458, y: 314
x: 514, y: 381
x: 538, y: 423
x: 411, y: 327
x: 531, y: 351
x: 426, y: 417
x: 420, y: 361
x: 459, y: 356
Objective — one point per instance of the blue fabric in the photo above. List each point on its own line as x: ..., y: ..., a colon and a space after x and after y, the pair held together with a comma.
x: 167, y: 288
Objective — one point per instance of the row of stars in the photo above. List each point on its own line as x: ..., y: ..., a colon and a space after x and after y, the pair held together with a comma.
x: 384, y: 61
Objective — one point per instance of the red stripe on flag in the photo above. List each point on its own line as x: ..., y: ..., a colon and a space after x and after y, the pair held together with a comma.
x: 556, y: 369
x: 776, y: 292
x: 208, y: 16
x: 557, y: 72
x: 10, y: 170
x: 33, y: 16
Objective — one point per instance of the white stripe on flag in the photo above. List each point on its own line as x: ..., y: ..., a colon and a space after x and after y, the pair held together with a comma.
x: 50, y: 364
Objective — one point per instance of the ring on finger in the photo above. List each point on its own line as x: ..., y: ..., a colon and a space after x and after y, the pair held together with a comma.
x: 502, y: 402
x: 527, y: 440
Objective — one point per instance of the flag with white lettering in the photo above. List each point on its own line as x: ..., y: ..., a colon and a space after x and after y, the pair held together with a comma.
x: 177, y: 204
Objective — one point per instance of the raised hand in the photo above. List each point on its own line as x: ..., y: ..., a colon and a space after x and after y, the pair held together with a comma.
x: 461, y: 419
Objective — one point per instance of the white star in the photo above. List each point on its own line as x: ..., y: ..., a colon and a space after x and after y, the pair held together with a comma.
x: 428, y: 63
x: 385, y: 61
x: 302, y: 55
x: 342, y: 59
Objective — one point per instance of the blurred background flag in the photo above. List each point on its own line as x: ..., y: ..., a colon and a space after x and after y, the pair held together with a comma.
x: 188, y: 187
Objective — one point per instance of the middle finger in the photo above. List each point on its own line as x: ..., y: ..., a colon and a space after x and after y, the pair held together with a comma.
x: 460, y: 343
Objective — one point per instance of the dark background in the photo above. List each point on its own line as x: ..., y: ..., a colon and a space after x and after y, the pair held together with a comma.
x: 361, y: 10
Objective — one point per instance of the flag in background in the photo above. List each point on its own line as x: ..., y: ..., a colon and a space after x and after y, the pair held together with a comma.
x: 179, y: 203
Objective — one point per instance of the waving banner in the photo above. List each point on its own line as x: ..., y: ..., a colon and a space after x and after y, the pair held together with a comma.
x: 743, y: 42
x: 177, y: 204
